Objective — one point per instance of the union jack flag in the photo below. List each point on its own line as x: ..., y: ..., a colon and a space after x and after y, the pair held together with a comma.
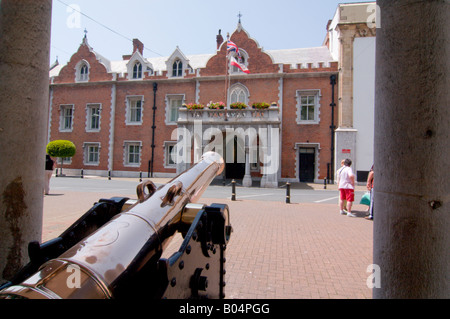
x: 231, y: 46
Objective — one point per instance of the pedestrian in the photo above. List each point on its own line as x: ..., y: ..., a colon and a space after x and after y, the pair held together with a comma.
x: 370, y: 189
x: 338, y: 172
x: 346, y: 185
x: 49, y: 166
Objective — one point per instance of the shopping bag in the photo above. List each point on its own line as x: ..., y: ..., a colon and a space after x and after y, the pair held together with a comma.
x: 365, y: 199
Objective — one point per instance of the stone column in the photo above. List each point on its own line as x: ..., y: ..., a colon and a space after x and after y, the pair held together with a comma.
x: 411, y: 218
x: 247, y: 181
x: 24, y: 100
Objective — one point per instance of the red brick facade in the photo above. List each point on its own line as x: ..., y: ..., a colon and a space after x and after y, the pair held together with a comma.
x: 279, y: 76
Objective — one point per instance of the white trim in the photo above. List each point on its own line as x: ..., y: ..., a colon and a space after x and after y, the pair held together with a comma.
x: 168, y: 107
x: 86, y: 153
x: 61, y: 117
x: 128, y: 98
x: 126, y: 145
x: 88, y: 123
x: 318, y: 95
x: 316, y: 147
x: 166, y: 159
x: 78, y: 67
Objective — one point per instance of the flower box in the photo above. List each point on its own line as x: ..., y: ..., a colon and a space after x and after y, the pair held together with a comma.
x: 238, y: 105
x: 216, y: 105
x: 193, y: 106
x: 260, y: 105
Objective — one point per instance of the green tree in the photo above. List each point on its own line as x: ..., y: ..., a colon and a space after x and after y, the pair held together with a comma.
x: 61, y: 148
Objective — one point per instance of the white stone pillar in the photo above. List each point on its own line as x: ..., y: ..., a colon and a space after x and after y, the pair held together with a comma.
x: 247, y: 181
x: 412, y: 113
x: 24, y: 100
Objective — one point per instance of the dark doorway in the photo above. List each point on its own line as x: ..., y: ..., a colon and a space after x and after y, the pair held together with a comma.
x: 235, y: 162
x: 307, y: 158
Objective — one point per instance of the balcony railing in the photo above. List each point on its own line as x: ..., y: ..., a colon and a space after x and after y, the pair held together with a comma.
x: 231, y: 116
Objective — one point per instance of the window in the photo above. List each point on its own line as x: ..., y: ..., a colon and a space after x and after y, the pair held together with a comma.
x: 177, y: 68
x: 173, y: 103
x: 93, y: 117
x: 134, y: 110
x: 170, y: 154
x: 239, y: 93
x: 242, y: 58
x: 91, y: 153
x: 132, y: 153
x: 137, y: 71
x: 308, y: 107
x: 66, y: 118
x: 84, y: 72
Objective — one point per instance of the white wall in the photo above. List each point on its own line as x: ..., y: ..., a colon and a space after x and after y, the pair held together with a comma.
x: 364, y: 100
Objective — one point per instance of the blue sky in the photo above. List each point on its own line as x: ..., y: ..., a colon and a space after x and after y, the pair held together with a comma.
x: 192, y: 25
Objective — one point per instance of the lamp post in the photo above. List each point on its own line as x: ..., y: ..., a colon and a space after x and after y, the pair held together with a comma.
x: 332, y: 127
x: 155, y: 88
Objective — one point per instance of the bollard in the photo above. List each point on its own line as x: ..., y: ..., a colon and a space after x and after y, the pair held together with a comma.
x: 324, y: 183
x: 233, y: 190
x: 288, y: 193
x: 81, y: 173
x: 140, y: 176
x: 109, y: 175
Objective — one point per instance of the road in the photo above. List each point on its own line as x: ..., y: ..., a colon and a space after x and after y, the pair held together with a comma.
x: 300, y: 193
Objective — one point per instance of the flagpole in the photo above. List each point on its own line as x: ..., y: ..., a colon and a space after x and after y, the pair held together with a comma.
x: 226, y: 79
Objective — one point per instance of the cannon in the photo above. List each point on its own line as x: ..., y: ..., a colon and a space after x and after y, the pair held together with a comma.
x: 115, y: 249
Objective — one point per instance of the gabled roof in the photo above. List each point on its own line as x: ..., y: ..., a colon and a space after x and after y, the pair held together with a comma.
x: 293, y: 57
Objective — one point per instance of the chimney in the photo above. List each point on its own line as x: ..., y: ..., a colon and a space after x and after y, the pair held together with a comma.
x: 219, y: 39
x: 138, y: 46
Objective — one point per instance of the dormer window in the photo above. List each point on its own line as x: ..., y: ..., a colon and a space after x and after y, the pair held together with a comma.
x: 84, y: 72
x: 242, y: 58
x: 177, y: 68
x: 137, y: 70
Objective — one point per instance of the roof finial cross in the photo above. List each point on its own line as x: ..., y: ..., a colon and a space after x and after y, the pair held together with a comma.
x: 239, y: 16
x: 85, y: 32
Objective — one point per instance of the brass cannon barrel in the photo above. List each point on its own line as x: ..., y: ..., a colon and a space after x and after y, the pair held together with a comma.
x: 101, y: 265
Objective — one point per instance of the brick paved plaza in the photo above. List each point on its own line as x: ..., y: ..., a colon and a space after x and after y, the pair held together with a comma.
x: 277, y: 250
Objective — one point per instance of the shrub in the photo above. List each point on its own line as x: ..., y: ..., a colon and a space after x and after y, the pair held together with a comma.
x: 61, y: 148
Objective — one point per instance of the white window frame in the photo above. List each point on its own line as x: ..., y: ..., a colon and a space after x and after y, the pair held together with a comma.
x: 177, y: 68
x: 168, y: 146
x: 131, y: 106
x: 90, y: 107
x: 137, y: 70
x: 170, y: 107
x: 87, y: 148
x: 241, y: 92
x: 80, y: 74
x: 126, y: 153
x: 317, y: 97
x: 244, y: 55
x: 63, y: 109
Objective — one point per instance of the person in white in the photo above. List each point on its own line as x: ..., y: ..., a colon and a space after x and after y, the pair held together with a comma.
x: 346, y: 185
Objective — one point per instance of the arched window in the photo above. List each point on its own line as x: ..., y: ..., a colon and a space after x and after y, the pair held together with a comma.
x: 84, y: 72
x: 137, y: 70
x: 242, y: 58
x: 177, y: 68
x: 239, y: 93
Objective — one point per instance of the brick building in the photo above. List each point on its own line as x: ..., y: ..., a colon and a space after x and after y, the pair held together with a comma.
x: 129, y: 116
